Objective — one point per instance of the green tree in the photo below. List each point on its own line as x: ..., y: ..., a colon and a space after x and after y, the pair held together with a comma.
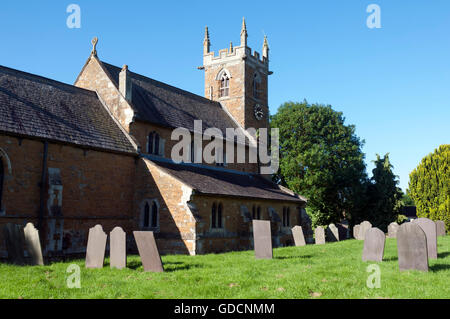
x: 429, y: 185
x: 384, y: 198
x: 320, y: 158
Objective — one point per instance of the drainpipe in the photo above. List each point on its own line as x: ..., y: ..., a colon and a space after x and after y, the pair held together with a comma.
x: 42, y: 185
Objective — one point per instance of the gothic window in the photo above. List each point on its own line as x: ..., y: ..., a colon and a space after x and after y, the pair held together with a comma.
x: 256, y: 212
x: 216, y: 215
x: 150, y: 214
x: 224, y: 85
x: 286, y: 217
x: 255, y: 86
x: 153, y: 143
x: 2, y: 174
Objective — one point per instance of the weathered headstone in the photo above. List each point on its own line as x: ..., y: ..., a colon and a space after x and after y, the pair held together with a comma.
x: 374, y: 245
x: 146, y: 244
x: 392, y: 230
x: 95, y: 251
x: 356, y: 230
x: 117, y: 248
x: 364, y: 227
x: 319, y: 234
x: 332, y: 233
x: 33, y: 244
x: 262, y: 239
x: 412, y: 247
x: 297, y: 233
x: 440, y: 228
x: 429, y: 227
x: 14, y: 239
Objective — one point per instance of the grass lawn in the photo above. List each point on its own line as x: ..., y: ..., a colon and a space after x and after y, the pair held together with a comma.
x: 334, y: 270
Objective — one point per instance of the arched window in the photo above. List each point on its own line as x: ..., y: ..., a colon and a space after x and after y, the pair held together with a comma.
x: 213, y: 215
x: 255, y: 86
x: 219, y: 216
x: 256, y: 212
x: 150, y: 214
x: 286, y: 217
x: 154, y: 214
x: 153, y: 143
x: 224, y: 85
x: 2, y: 174
x: 146, y: 215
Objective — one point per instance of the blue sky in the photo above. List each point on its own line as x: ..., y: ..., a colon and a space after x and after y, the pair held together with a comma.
x: 393, y: 83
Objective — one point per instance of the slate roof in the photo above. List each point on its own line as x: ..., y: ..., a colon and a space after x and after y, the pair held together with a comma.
x: 159, y: 103
x: 38, y: 107
x: 220, y: 181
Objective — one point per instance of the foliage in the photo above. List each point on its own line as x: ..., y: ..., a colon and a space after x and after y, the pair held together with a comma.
x: 407, y: 200
x: 401, y: 219
x: 384, y: 197
x: 320, y: 158
x: 429, y: 185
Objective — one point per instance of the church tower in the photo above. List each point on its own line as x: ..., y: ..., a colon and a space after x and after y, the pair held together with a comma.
x: 237, y: 78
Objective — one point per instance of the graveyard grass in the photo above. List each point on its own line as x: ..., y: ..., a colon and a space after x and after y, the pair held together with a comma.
x: 333, y: 270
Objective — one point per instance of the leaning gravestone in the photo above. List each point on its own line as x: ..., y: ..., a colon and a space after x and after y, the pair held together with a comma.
x: 297, y: 233
x: 14, y: 239
x: 117, y: 248
x: 392, y: 230
x: 33, y: 244
x: 262, y: 239
x: 374, y: 245
x: 440, y: 228
x: 364, y: 227
x: 332, y: 233
x: 429, y: 227
x: 319, y: 234
x: 412, y: 247
x: 95, y: 251
x: 356, y: 230
x: 146, y: 244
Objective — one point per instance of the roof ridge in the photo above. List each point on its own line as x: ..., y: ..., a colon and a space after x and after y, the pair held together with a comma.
x: 166, y: 84
x: 44, y: 79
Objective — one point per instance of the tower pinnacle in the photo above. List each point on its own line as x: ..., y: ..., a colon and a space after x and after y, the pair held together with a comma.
x: 243, y: 33
x: 206, y: 42
x: 265, y: 48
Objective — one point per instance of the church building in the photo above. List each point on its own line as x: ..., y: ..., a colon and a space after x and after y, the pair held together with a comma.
x: 99, y: 152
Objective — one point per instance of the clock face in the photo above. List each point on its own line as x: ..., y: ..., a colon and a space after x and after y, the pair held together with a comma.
x: 259, y: 112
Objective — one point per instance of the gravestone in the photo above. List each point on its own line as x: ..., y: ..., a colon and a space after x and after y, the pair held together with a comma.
x: 332, y: 233
x: 95, y: 251
x: 412, y: 247
x: 14, y: 239
x: 356, y: 230
x: 262, y: 239
x: 146, y: 244
x: 297, y: 233
x: 392, y: 230
x: 33, y: 245
x: 117, y: 248
x: 374, y: 245
x: 364, y: 227
x: 429, y: 227
x: 440, y: 228
x: 319, y: 235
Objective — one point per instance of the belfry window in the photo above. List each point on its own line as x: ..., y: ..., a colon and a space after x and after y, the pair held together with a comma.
x: 153, y: 143
x: 255, y: 86
x: 224, y: 85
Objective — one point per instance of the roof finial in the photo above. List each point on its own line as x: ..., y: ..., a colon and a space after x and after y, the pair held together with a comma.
x: 265, y: 48
x: 94, y: 46
x: 206, y: 42
x: 231, y: 47
x: 243, y: 33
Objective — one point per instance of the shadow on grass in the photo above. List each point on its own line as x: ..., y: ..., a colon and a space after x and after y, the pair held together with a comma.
x: 168, y: 266
x: 439, y: 267
x: 395, y: 258
x: 443, y: 255
x: 292, y: 257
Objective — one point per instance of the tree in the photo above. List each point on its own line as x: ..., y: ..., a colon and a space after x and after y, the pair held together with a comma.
x: 429, y: 185
x: 384, y: 198
x: 320, y: 158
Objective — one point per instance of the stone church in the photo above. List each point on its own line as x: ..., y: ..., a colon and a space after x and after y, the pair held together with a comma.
x: 99, y: 152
